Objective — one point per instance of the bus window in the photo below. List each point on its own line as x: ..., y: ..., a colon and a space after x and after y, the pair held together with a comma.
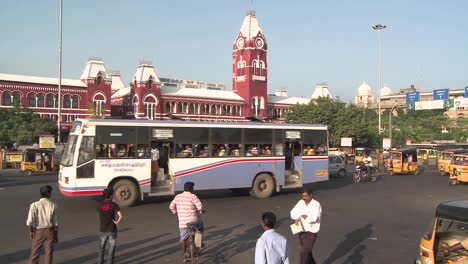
x: 188, y: 139
x: 185, y: 151
x: 69, y: 151
x: 226, y: 141
x: 315, y: 142
x: 256, y: 139
x: 87, y: 148
x: 142, y: 151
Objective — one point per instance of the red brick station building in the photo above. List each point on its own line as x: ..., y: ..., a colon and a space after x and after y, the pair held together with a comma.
x: 152, y: 97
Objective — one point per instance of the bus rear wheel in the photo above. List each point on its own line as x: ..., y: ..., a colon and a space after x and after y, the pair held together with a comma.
x: 263, y: 186
x: 125, y: 193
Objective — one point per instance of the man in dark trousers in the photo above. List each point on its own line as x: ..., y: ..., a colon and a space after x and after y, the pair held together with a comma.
x: 308, y: 213
x: 108, y: 210
x: 43, y: 226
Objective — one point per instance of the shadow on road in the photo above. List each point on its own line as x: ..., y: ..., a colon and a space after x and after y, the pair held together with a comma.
x: 352, y: 240
x: 23, y: 255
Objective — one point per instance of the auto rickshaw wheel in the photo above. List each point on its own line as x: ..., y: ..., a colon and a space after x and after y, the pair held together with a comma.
x: 416, y: 172
x: 27, y: 172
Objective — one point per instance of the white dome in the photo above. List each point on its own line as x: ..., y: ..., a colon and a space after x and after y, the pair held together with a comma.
x: 385, y: 91
x: 364, y: 89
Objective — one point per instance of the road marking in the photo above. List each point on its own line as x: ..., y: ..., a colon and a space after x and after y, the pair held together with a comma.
x: 1, y: 189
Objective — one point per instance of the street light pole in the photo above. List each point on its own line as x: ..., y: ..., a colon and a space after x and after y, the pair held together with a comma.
x: 60, y: 77
x: 379, y: 28
x: 390, y: 125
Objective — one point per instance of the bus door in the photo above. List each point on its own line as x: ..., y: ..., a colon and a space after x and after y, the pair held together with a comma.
x: 161, y: 178
x: 293, y: 163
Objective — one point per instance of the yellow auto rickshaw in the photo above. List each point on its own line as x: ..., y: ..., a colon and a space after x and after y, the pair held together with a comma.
x: 459, y: 169
x: 446, y: 238
x: 360, y: 154
x: 38, y: 160
x: 427, y: 156
x: 445, y: 158
x: 403, y: 161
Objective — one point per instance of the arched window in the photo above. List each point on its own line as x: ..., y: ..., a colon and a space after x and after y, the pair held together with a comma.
x: 241, y: 67
x: 149, y: 83
x: 255, y: 105
x: 66, y: 101
x: 32, y: 100
x: 75, y: 102
x: 254, y: 66
x: 150, y: 107
x: 16, y: 98
x: 51, y: 100
x: 261, y: 67
x: 226, y: 110
x: 168, y: 107
x: 40, y: 100
x: 99, y: 79
x: 6, y: 98
x: 98, y: 105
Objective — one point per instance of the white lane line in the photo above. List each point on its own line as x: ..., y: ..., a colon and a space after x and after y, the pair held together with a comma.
x: 1, y: 189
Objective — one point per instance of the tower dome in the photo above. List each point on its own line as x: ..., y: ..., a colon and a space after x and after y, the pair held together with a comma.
x: 364, y: 89
x: 385, y: 91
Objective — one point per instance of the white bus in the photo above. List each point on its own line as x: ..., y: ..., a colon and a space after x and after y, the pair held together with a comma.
x: 140, y: 158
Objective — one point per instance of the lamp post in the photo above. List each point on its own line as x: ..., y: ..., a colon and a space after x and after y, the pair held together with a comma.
x: 390, y: 125
x: 60, y: 77
x: 379, y: 28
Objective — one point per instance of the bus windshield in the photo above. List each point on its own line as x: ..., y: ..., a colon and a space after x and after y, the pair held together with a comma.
x: 69, y: 151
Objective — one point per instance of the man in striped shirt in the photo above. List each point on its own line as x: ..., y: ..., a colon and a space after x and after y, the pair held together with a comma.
x: 187, y: 206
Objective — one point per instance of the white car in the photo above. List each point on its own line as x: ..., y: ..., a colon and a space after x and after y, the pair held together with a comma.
x: 336, y: 166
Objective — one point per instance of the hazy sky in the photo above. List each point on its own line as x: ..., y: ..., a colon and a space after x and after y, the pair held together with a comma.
x: 425, y: 43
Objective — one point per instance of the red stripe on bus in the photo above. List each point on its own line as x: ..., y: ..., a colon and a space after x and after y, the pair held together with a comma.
x: 81, y: 193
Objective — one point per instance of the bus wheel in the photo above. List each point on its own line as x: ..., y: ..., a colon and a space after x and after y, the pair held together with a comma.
x: 28, y: 172
x: 263, y: 186
x: 125, y: 193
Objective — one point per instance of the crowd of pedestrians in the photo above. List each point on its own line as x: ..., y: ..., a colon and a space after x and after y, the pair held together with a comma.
x: 271, y: 247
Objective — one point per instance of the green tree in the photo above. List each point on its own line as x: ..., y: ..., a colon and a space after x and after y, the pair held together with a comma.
x: 21, y: 125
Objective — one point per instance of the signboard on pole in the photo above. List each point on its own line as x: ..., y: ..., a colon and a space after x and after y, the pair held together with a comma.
x: 429, y: 105
x: 412, y: 97
x: 466, y: 92
x: 387, y: 143
x: 441, y: 94
x: 346, y: 142
x: 448, y: 103
x: 410, y: 106
x: 462, y: 102
x: 46, y: 141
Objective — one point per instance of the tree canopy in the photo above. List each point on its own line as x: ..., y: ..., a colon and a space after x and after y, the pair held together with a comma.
x: 21, y: 125
x: 361, y: 124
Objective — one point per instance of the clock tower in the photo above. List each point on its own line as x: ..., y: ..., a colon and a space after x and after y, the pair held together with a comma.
x: 249, y: 67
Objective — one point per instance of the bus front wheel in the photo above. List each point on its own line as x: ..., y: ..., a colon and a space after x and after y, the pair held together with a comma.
x: 263, y: 186
x: 125, y: 193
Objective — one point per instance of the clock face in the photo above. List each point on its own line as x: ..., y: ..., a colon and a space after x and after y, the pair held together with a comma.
x: 259, y: 42
x: 240, y: 43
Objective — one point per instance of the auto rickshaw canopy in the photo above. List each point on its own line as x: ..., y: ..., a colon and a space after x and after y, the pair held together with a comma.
x: 454, y: 210
x: 29, y: 155
x: 407, y: 152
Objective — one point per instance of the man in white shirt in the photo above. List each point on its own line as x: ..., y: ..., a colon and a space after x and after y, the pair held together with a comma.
x: 271, y: 248
x: 368, y: 162
x: 307, y: 212
x: 43, y: 226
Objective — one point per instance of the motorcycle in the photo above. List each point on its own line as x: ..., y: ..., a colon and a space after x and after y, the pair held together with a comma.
x: 360, y: 174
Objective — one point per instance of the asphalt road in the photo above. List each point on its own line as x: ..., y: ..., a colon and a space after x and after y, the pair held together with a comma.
x: 378, y: 222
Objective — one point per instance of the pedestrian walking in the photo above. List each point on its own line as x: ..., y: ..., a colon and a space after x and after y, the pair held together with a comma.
x: 108, y: 210
x: 307, y: 212
x: 271, y: 248
x: 43, y: 226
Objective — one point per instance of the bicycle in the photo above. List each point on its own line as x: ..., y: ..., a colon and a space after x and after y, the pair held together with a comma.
x: 195, y: 240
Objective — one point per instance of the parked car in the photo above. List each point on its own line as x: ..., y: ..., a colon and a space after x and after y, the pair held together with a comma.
x: 336, y: 166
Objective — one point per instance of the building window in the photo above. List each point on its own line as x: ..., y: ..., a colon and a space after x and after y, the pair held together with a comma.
x: 6, y: 99
x: 149, y: 83
x: 50, y: 101
x: 66, y: 101
x: 99, y: 80
x: 254, y: 66
x: 16, y: 98
x: 32, y: 100
x: 75, y: 102
x: 150, y: 110
x: 40, y: 100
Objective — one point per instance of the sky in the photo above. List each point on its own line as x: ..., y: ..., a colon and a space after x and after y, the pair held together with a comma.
x: 425, y: 42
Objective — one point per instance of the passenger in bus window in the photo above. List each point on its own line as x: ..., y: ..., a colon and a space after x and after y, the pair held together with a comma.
x: 187, y: 152
x: 204, y: 151
x: 142, y: 151
x: 221, y: 151
x: 309, y: 151
x: 122, y: 151
x: 235, y: 150
x: 267, y: 150
x: 252, y: 151
x: 100, y: 153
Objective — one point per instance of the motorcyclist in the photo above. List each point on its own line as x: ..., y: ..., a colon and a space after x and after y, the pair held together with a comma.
x: 368, y: 162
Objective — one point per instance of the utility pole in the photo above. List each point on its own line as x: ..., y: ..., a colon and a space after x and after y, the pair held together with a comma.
x: 59, y: 123
x: 379, y: 28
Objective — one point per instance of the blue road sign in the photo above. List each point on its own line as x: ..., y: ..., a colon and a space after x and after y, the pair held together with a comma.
x: 412, y: 97
x: 466, y: 92
x: 441, y: 94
